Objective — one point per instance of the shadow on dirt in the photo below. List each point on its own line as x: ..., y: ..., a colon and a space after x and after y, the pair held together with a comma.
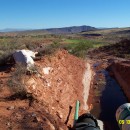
x: 6, y: 68
x: 32, y: 120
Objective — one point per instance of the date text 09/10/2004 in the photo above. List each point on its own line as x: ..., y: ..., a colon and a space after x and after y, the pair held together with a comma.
x: 121, y: 122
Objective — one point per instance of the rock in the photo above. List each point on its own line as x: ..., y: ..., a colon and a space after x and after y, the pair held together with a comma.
x: 50, y: 124
x: 48, y: 84
x: 95, y: 87
x: 59, y: 115
x: 99, y: 71
x: 31, y: 82
x: 52, y: 108
x: 12, y: 69
x: 38, y: 75
x: 98, y: 101
x: 100, y: 124
x: 18, y: 116
x: 60, y: 128
x: 8, y: 124
x: 59, y: 80
x: 35, y: 120
x: 39, y: 119
x: 31, y: 85
x: 96, y: 83
x: 47, y: 70
x: 34, y: 115
x: 11, y: 108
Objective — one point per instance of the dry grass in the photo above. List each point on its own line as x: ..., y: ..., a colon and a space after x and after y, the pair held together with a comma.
x: 15, y: 82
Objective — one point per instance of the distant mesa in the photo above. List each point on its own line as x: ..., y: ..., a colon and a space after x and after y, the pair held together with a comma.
x: 12, y: 30
x: 73, y: 29
x: 64, y: 30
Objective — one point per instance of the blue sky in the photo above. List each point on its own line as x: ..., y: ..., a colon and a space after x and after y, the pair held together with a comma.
x: 33, y: 14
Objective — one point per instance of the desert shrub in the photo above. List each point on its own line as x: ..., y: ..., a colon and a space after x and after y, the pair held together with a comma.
x: 15, y: 82
x: 55, y: 44
x: 49, y: 49
x: 79, y: 49
x: 6, y: 58
x: 17, y: 86
x: 7, y: 47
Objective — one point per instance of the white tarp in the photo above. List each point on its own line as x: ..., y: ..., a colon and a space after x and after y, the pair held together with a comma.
x: 25, y: 57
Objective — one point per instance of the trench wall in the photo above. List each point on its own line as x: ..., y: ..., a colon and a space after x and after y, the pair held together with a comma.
x: 121, y: 72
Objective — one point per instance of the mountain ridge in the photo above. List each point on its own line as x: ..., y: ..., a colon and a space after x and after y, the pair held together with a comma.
x: 62, y: 30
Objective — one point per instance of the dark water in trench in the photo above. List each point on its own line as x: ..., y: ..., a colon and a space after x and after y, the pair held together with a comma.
x: 5, y: 68
x: 111, y: 98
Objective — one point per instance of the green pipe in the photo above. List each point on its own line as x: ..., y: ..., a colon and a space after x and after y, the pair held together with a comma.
x: 76, y: 115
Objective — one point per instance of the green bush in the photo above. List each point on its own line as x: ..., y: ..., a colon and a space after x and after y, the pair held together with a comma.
x: 79, y: 49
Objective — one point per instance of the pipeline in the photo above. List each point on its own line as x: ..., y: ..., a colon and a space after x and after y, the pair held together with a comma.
x: 76, y: 115
x: 85, y: 121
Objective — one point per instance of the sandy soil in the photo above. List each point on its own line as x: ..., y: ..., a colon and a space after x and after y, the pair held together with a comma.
x: 88, y: 75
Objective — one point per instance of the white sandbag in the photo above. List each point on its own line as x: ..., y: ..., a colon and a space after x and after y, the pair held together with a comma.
x: 24, y: 57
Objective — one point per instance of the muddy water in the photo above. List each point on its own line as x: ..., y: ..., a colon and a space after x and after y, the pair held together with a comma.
x: 5, y: 68
x: 110, y: 98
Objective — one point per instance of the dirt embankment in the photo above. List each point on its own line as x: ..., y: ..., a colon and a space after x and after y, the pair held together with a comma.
x: 60, y: 82
x: 118, y: 57
x: 120, y: 49
x: 121, y: 70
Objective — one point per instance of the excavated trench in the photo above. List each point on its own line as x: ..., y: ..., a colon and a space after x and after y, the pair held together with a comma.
x: 99, y: 89
x: 107, y: 97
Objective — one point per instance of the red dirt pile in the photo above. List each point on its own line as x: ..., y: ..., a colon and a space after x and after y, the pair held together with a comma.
x: 59, y: 83
x: 56, y: 88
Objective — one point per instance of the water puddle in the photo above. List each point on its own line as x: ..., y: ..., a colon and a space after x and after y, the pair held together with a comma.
x: 111, y: 98
x: 5, y: 67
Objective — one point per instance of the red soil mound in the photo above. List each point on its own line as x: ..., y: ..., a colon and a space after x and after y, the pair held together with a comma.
x: 56, y: 88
